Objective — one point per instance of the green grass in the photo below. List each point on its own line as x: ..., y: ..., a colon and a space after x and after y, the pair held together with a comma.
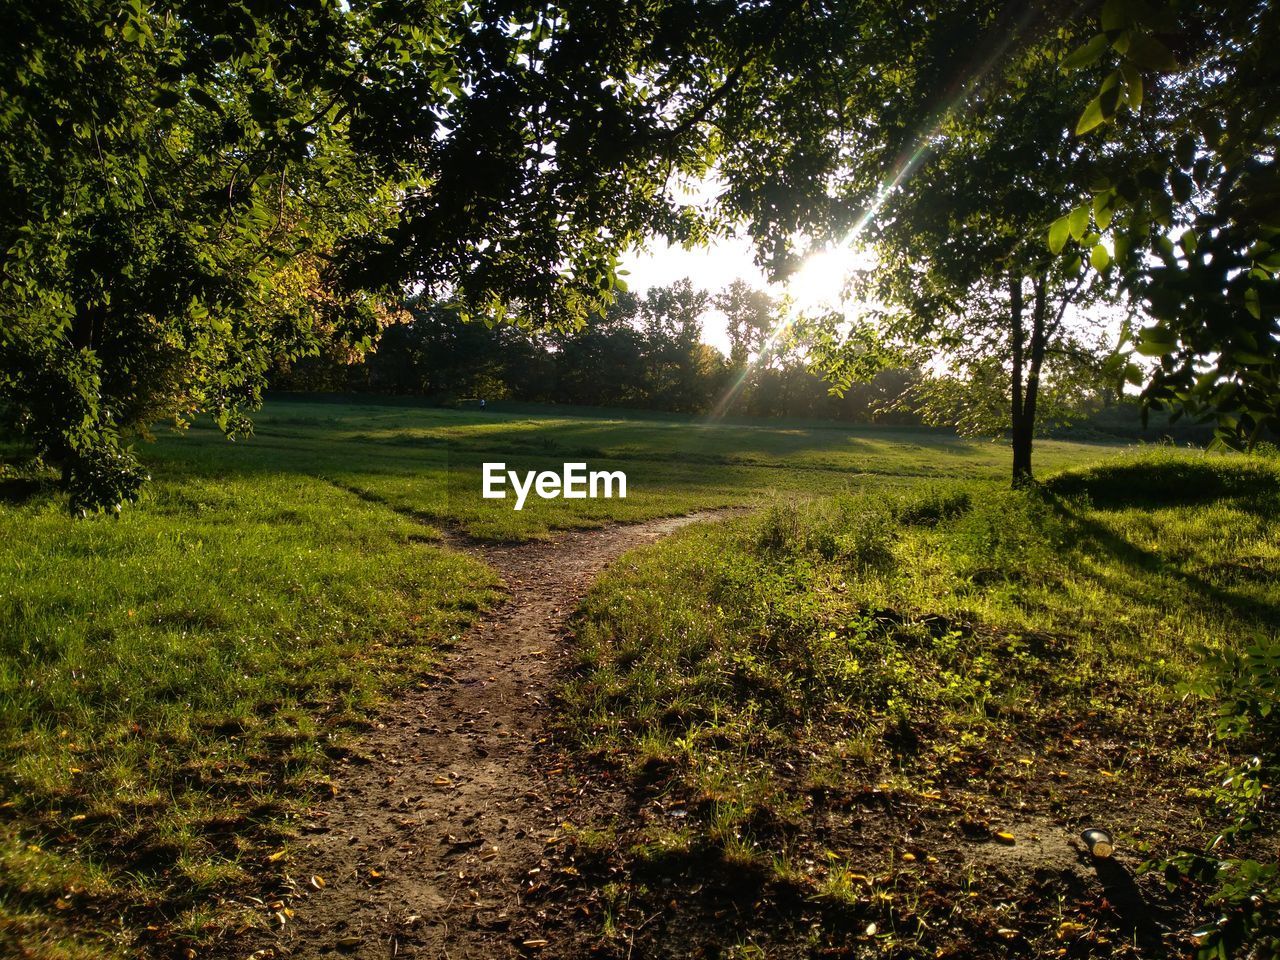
x: 170, y: 681
x: 979, y: 655
x: 426, y: 462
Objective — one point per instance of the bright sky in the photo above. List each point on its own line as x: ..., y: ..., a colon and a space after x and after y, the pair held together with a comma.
x: 816, y: 285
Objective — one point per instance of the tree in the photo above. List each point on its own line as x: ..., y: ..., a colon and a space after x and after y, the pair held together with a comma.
x: 174, y: 181
x: 671, y: 323
x: 194, y: 191
x: 750, y: 315
x: 1184, y: 132
x: 1182, y: 129
x: 955, y: 207
x: 602, y: 362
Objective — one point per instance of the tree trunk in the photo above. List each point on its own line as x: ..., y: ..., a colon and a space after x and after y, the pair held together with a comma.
x: 1022, y: 434
x: 1024, y: 419
x: 1021, y: 426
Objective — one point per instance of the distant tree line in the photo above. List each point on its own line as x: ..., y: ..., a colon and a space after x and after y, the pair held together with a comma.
x: 645, y: 351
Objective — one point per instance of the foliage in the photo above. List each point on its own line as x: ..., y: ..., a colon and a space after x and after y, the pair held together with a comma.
x: 949, y: 171
x: 1246, y: 686
x: 171, y: 191
x: 750, y: 316
x: 195, y: 191
x: 642, y: 352
x: 1182, y: 137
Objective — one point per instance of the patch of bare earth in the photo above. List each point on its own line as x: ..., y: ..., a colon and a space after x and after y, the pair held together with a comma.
x: 446, y: 809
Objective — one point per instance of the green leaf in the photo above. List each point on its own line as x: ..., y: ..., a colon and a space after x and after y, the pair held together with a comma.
x: 1110, y: 95
x: 1099, y: 258
x: 1059, y: 231
x: 1132, y: 86
x: 1104, y: 207
x: 1115, y: 15
x: 1184, y: 150
x: 1147, y: 53
x: 1085, y: 54
x: 1155, y: 342
x: 1253, y: 303
x: 1079, y: 221
x: 1091, y: 118
x: 205, y: 99
x: 1246, y: 356
x: 1181, y: 186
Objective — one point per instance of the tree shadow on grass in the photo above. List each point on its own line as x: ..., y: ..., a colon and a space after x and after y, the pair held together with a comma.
x: 1248, y: 487
x: 15, y: 491
x: 1173, y: 482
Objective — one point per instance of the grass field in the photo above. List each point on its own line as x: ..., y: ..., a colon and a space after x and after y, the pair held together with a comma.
x: 174, y: 682
x: 788, y: 690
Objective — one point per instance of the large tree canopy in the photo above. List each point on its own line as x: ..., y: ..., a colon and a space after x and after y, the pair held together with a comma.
x: 964, y: 283
x: 175, y: 178
x: 1123, y: 144
x: 193, y: 190
x: 937, y: 135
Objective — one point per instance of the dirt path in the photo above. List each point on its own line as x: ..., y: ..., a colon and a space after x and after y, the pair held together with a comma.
x: 444, y: 809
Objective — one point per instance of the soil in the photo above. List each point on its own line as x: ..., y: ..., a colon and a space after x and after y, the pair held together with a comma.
x: 446, y: 807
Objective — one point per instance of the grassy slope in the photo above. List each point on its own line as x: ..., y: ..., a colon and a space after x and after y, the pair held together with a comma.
x: 830, y: 694
x: 170, y: 681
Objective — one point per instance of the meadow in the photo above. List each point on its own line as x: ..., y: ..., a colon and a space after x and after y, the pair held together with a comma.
x: 175, y: 683
x: 881, y: 713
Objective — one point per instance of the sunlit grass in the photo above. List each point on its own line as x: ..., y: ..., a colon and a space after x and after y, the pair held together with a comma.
x: 936, y: 637
x: 170, y: 680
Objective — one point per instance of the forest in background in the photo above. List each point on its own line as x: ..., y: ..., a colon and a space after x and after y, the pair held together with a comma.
x: 646, y: 352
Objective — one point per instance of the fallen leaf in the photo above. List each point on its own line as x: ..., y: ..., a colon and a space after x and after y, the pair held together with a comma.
x: 1069, y: 928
